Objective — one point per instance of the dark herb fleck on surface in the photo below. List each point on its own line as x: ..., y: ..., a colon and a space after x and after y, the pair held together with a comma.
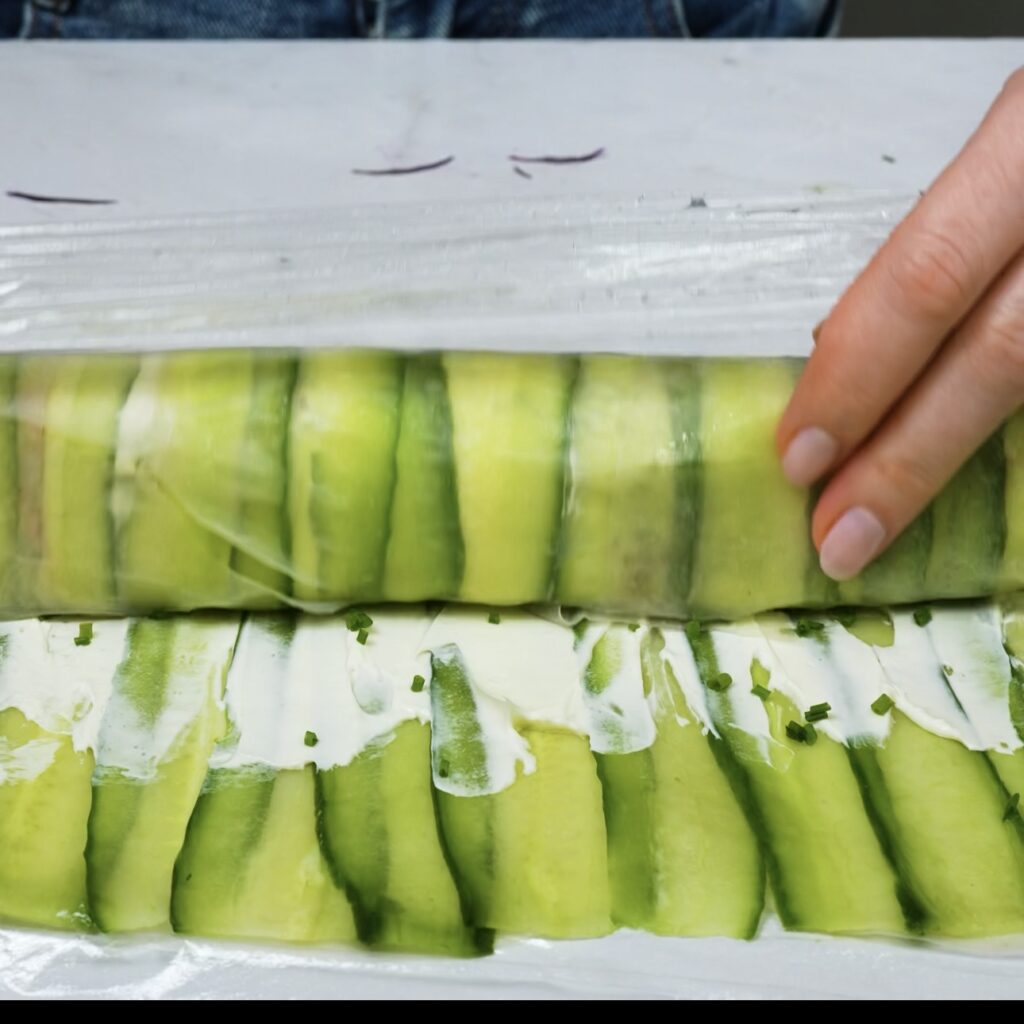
x: 581, y: 159
x: 36, y: 197
x: 378, y: 172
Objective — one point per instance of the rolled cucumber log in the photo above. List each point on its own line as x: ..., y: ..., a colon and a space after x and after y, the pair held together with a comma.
x: 639, y: 486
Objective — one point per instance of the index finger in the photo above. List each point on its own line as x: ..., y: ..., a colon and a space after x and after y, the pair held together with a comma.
x: 893, y: 319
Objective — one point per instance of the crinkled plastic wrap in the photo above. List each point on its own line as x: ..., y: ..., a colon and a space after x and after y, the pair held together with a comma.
x: 171, y: 436
x: 309, y: 456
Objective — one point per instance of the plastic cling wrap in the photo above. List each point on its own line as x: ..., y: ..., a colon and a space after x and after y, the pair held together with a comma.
x: 640, y: 485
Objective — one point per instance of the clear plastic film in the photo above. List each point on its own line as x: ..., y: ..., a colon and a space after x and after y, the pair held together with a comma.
x: 520, y: 402
x: 324, y: 822
x: 499, y: 403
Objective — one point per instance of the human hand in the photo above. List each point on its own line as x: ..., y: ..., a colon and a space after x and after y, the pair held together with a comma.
x: 923, y: 357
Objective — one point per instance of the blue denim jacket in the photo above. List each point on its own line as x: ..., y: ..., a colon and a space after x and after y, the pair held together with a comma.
x: 414, y: 19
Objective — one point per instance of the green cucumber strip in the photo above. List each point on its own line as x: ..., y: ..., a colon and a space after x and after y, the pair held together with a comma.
x: 1011, y: 576
x: 532, y: 859
x: 509, y: 435
x: 424, y: 551
x: 166, y: 699
x: 900, y: 571
x: 251, y: 867
x: 44, y: 805
x: 79, y: 443
x: 261, y: 554
x: 344, y: 431
x: 380, y: 837
x: 682, y: 857
x: 8, y: 481
x: 941, y: 809
x: 827, y: 868
x: 622, y: 525
x: 753, y: 550
x: 969, y: 527
x: 177, y: 499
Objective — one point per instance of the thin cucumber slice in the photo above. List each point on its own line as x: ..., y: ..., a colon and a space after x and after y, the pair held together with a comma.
x: 509, y: 416
x: 424, y: 550
x: 344, y: 429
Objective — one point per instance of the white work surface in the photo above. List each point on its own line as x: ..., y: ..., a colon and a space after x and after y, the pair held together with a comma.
x: 175, y: 129
x: 200, y: 127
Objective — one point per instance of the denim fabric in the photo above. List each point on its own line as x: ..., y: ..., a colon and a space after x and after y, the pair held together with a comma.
x: 413, y: 19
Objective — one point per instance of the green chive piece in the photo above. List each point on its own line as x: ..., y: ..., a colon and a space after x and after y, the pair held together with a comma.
x: 494, y: 618
x: 720, y: 683
x: 883, y: 705
x: 818, y: 712
x: 795, y: 731
x: 947, y: 670
x: 442, y: 769
x: 84, y: 637
x: 580, y: 628
x: 761, y: 691
x: 357, y: 620
x: 922, y: 616
x: 846, y: 617
x: 808, y: 627
x: 418, y: 682
x: 362, y: 636
x: 311, y: 739
x: 810, y: 735
x: 1011, y: 807
x: 633, y: 627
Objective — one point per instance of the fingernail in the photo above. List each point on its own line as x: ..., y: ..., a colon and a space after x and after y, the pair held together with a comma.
x: 816, y: 333
x: 852, y: 542
x: 808, y: 455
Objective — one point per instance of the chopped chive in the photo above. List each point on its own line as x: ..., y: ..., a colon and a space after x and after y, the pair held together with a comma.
x: 846, y: 617
x: 494, y: 618
x: 362, y: 636
x: 84, y: 637
x: 418, y: 682
x: 580, y: 628
x: 808, y: 627
x: 442, y: 769
x: 883, y: 705
x: 810, y: 735
x: 311, y: 739
x: 1011, y: 807
x: 795, y: 731
x: 922, y: 616
x: 694, y: 630
x: 720, y: 683
x: 947, y: 670
x: 357, y: 620
x: 761, y: 691
x: 633, y: 627
x: 818, y: 712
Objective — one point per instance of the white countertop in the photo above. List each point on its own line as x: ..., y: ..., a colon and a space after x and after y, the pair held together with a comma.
x: 174, y: 128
